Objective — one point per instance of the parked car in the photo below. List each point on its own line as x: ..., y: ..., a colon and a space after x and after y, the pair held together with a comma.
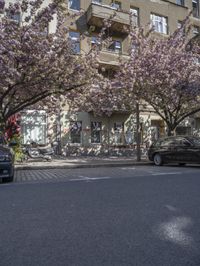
x: 179, y: 149
x: 6, y: 161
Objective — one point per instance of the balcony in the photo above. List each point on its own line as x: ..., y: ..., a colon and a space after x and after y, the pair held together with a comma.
x: 96, y: 13
x: 111, y: 58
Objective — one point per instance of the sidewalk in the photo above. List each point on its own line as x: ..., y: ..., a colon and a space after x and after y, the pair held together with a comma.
x: 79, y: 162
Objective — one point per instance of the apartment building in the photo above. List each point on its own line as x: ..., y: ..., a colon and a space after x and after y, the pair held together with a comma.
x: 84, y: 132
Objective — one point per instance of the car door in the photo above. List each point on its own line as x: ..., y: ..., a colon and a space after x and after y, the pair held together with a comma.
x: 196, y: 154
x: 185, y: 150
x: 169, y: 150
x: 194, y: 150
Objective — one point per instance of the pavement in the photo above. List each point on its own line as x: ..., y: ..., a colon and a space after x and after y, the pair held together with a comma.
x: 62, y: 162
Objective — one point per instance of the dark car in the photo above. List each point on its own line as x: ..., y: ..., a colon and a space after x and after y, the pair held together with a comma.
x: 6, y: 161
x: 178, y: 149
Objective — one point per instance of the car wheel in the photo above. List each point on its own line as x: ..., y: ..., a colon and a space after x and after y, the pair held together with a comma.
x: 157, y: 159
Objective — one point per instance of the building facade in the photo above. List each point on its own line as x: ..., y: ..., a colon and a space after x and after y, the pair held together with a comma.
x: 84, y: 133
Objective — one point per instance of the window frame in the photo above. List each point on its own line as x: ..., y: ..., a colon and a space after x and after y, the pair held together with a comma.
x: 73, y: 8
x: 75, y: 41
x: 135, y: 13
x: 96, y: 127
x: 180, y: 2
x: 116, y: 4
x: 118, y: 132
x: 80, y: 126
x: 94, y: 41
x: 33, y: 120
x: 157, y: 21
x: 14, y: 17
x: 113, y: 47
x: 196, y: 30
x: 195, y: 11
x: 97, y: 2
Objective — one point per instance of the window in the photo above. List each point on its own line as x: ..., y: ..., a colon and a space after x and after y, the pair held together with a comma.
x: 195, y: 8
x: 44, y: 31
x: 75, y: 131
x: 130, y: 137
x: 75, y: 39
x: 134, y: 16
x: 183, y: 130
x: 134, y: 48
x: 34, y: 127
x: 118, y: 46
x: 180, y: 2
x: 184, y: 142
x: 95, y: 41
x: 115, y: 46
x: 118, y: 132
x: 14, y: 16
x: 196, y: 30
x: 197, y: 61
x: 159, y: 23
x: 97, y: 1
x: 74, y: 4
x: 168, y: 142
x: 179, y: 24
x: 95, y: 132
x: 116, y: 5
x: 2, y: 5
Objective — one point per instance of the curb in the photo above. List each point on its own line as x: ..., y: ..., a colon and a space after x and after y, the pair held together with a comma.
x: 79, y: 165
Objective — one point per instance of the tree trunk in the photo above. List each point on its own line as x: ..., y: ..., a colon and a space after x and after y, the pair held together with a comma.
x: 2, y: 124
x: 138, y: 132
x: 170, y: 130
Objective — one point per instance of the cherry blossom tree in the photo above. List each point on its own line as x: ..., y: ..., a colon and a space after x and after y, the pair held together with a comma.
x: 163, y: 72
x: 36, y: 67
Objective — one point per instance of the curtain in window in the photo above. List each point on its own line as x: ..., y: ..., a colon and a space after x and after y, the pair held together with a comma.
x: 159, y: 23
x: 34, y: 127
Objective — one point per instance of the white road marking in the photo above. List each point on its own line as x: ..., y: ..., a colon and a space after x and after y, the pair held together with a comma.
x: 172, y: 173
x: 87, y: 178
x: 128, y: 168
x: 99, y: 178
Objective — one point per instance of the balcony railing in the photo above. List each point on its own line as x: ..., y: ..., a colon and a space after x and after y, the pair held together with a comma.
x: 97, y: 12
x: 110, y: 57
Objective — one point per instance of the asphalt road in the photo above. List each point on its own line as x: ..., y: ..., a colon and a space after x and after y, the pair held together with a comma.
x: 107, y: 216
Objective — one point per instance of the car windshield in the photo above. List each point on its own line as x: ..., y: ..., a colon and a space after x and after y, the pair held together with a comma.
x: 195, y: 141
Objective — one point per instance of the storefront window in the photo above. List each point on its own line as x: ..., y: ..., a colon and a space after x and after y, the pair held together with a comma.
x: 118, y: 132
x: 75, y: 131
x: 95, y: 132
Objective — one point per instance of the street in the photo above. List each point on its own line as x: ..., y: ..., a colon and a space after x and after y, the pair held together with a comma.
x: 140, y: 215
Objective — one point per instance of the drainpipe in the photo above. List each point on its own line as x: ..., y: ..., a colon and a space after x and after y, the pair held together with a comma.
x: 59, y: 132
